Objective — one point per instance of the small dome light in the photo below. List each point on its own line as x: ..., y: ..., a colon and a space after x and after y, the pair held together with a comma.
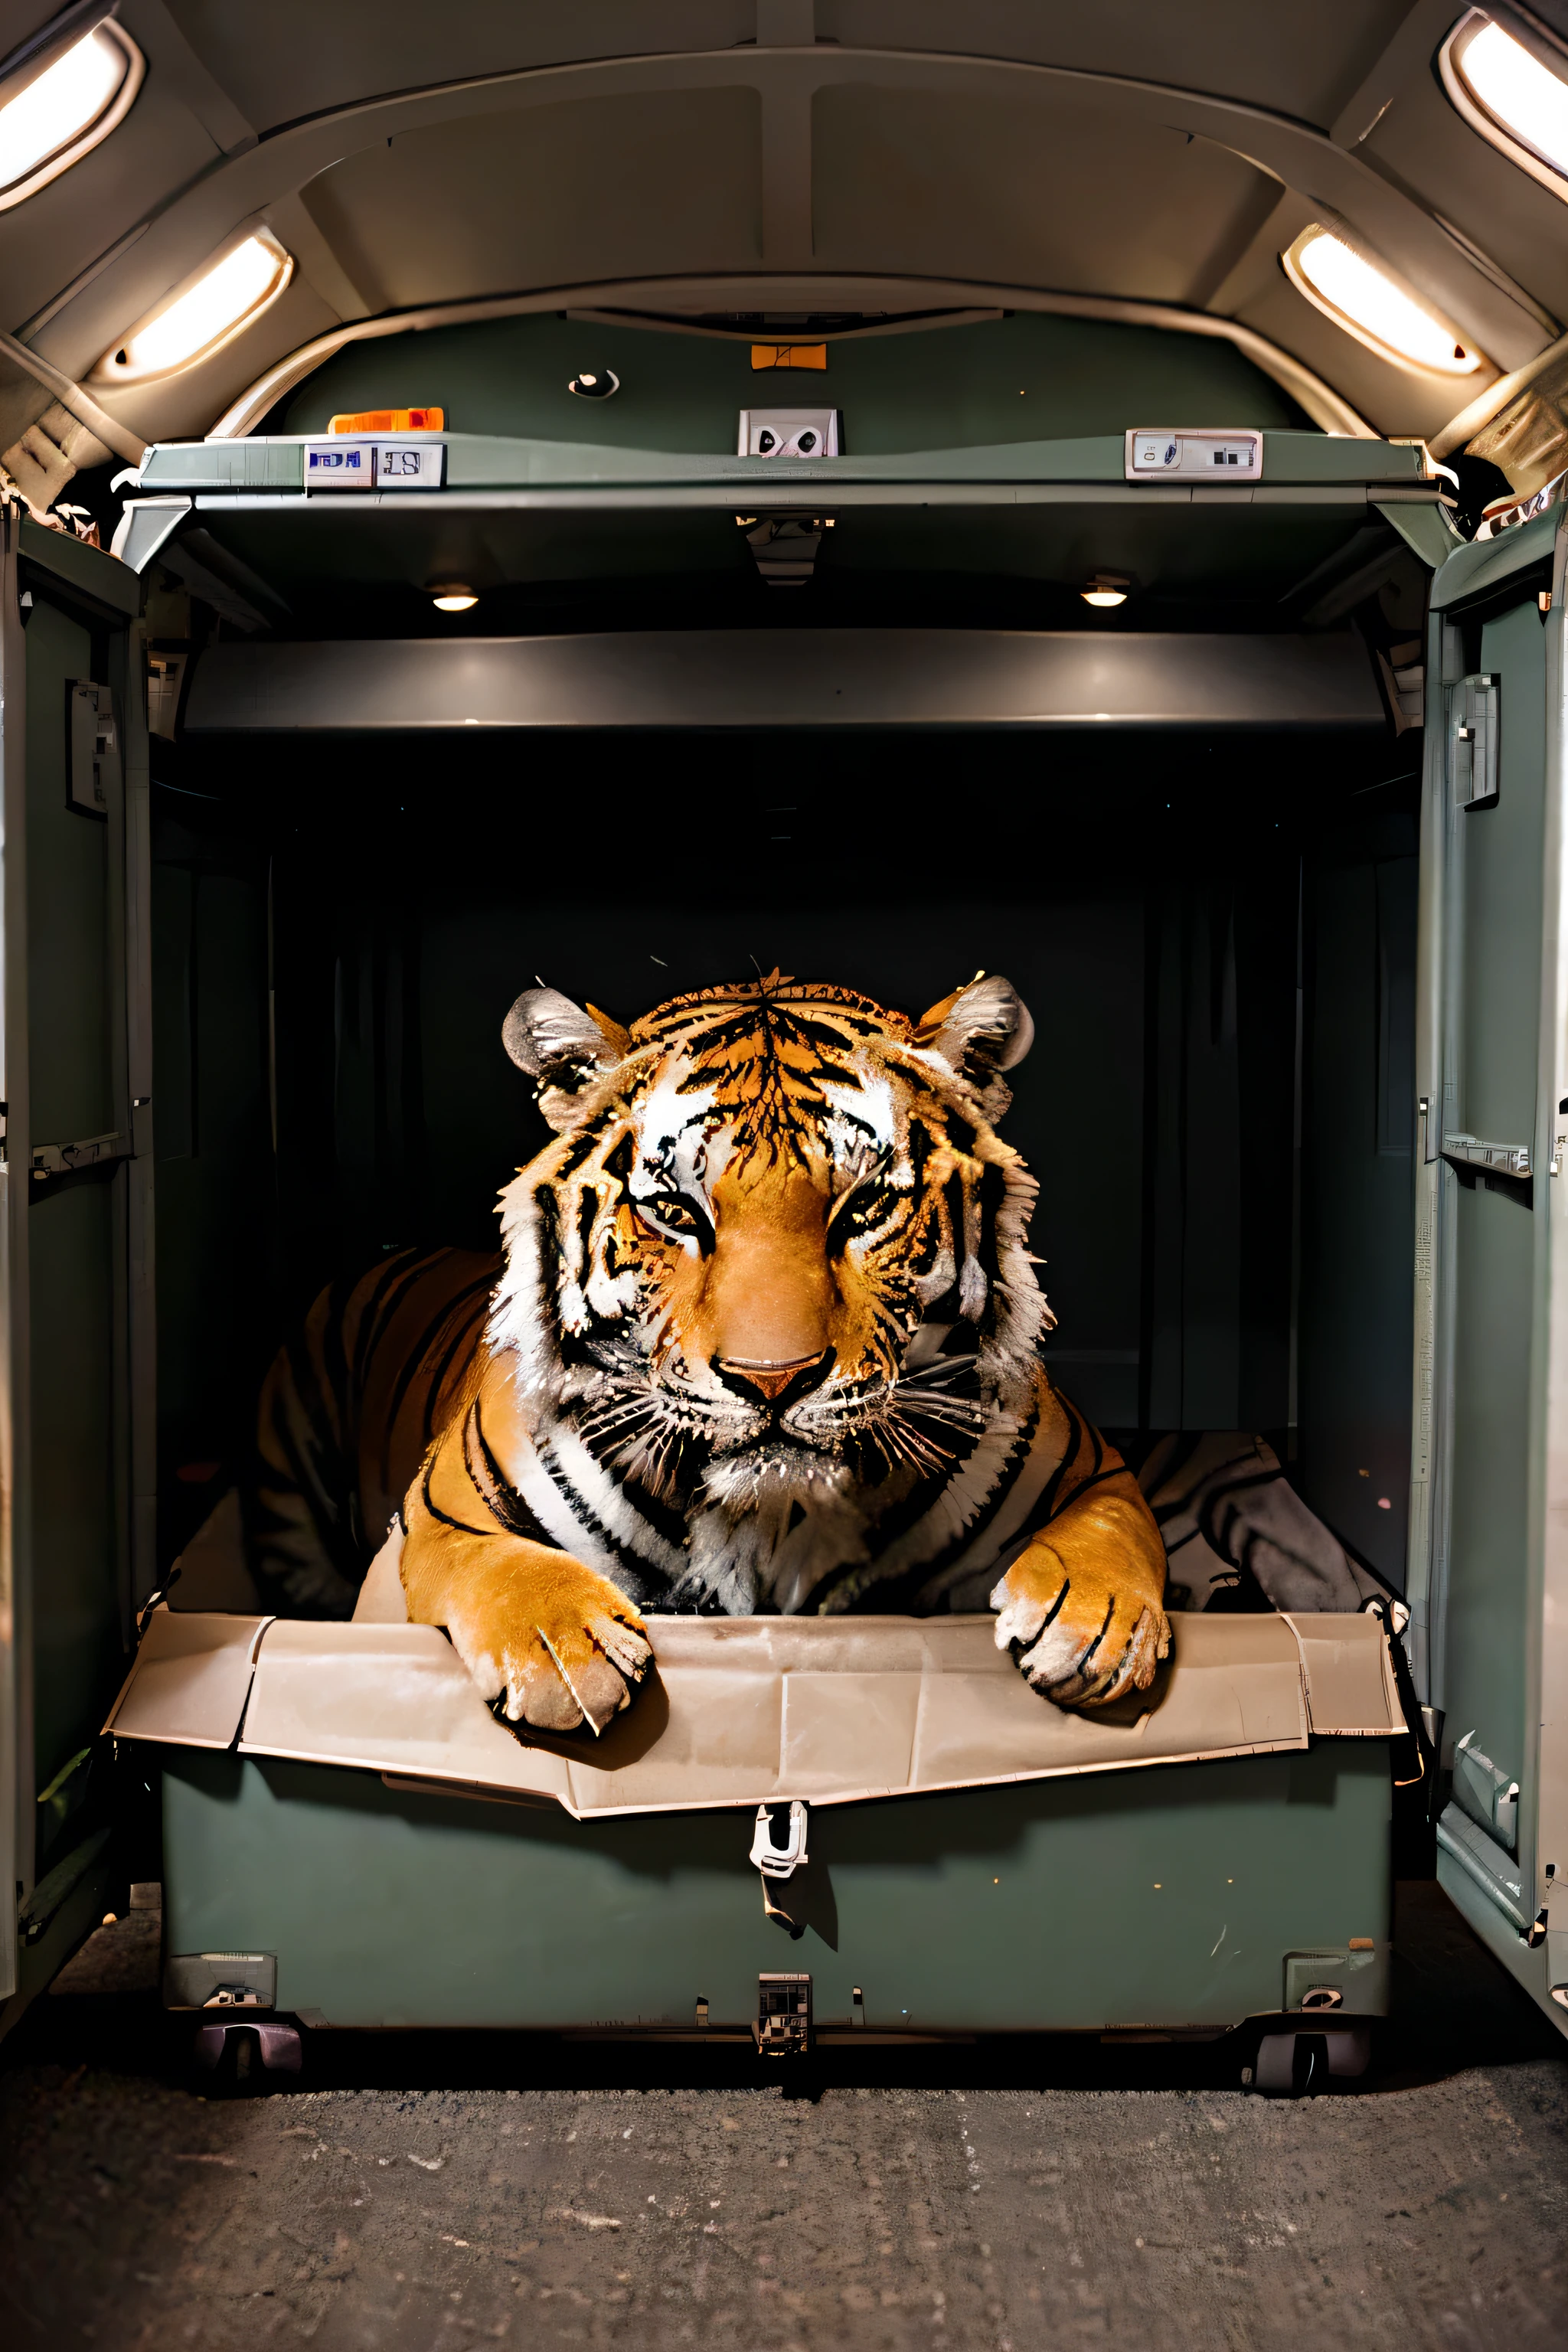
x: 1104, y: 590
x: 1366, y: 302
x: 451, y: 596
x: 1510, y: 96
x: 198, y: 321
x: 594, y: 383
x: 77, y: 100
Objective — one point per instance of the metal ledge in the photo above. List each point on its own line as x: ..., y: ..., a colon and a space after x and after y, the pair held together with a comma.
x: 779, y: 678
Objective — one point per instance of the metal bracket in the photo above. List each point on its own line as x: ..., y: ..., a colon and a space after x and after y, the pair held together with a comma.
x: 230, y: 1980
x: 1485, y: 1791
x: 785, y: 546
x: 93, y: 769
x: 1498, y: 1158
x: 64, y: 1158
x: 782, y: 2027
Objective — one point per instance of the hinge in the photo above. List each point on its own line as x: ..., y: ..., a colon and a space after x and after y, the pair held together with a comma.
x: 1474, y: 730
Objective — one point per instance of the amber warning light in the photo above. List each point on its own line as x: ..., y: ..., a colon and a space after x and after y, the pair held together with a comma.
x: 392, y: 420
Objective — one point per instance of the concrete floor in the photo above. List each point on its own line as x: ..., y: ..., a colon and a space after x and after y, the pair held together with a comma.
x: 422, y: 2194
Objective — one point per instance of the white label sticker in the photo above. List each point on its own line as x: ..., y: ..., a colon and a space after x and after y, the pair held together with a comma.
x: 1191, y: 457
x: 410, y: 464
x: 339, y: 465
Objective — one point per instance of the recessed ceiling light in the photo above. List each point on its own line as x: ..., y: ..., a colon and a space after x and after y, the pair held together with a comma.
x: 1105, y: 589
x: 595, y: 383
x: 1363, y: 298
x: 1508, y: 94
x: 56, y: 117
x: 200, y: 316
x: 451, y: 596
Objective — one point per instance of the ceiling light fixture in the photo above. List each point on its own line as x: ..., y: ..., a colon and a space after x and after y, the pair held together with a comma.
x: 1106, y: 589
x: 595, y: 383
x: 60, y: 110
x: 199, y: 317
x: 1361, y: 296
x: 451, y: 596
x: 1510, y: 96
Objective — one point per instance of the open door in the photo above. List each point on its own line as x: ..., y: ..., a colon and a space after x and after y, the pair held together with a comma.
x: 1489, y: 1482
x: 75, y: 1257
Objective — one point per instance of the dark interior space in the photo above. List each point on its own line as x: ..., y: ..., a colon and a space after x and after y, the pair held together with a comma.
x: 1215, y: 937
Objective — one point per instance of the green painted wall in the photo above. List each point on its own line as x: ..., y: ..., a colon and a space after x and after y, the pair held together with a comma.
x: 1024, y: 378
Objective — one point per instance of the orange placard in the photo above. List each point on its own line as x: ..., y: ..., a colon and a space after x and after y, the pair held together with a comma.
x: 789, y: 355
x: 391, y: 420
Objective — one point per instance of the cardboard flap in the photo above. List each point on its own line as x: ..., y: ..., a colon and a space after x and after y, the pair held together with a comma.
x: 1350, y: 1688
x: 394, y: 1698
x: 741, y: 1711
x: 190, y: 1680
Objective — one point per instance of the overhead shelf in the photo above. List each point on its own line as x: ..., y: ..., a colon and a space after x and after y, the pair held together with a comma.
x: 520, y: 514
x: 476, y: 461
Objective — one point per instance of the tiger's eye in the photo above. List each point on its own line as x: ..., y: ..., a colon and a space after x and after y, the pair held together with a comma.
x: 668, y: 1211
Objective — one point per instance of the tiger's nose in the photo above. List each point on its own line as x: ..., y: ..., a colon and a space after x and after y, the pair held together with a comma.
x: 770, y: 1375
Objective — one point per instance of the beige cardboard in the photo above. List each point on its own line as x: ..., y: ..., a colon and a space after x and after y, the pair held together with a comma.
x: 1351, y: 1688
x: 743, y: 1711
x: 190, y: 1680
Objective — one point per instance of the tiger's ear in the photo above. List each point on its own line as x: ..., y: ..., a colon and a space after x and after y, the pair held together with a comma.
x: 564, y: 1045
x: 979, y: 1030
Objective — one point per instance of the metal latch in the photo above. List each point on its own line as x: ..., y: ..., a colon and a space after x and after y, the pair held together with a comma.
x: 62, y: 1158
x: 1473, y: 726
x: 782, y: 2028
x: 1497, y: 1159
x: 776, y: 1860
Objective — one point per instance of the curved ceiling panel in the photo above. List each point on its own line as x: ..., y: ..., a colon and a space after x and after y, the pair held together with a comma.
x: 296, y: 58
x: 592, y: 188
x: 406, y: 154
x: 1041, y: 187
x: 1300, y: 62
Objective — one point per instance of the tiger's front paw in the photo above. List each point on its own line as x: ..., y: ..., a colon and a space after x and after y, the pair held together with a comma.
x: 561, y: 1643
x: 1081, y: 1610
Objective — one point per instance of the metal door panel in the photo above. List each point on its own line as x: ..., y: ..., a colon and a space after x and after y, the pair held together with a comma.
x: 1490, y: 1091
x: 1489, y: 1562
x: 74, y: 1267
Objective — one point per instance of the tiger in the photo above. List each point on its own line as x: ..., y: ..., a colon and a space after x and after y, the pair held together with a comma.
x: 764, y: 1335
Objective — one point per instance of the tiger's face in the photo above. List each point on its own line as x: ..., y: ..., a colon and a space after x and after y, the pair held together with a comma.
x: 772, y: 1271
